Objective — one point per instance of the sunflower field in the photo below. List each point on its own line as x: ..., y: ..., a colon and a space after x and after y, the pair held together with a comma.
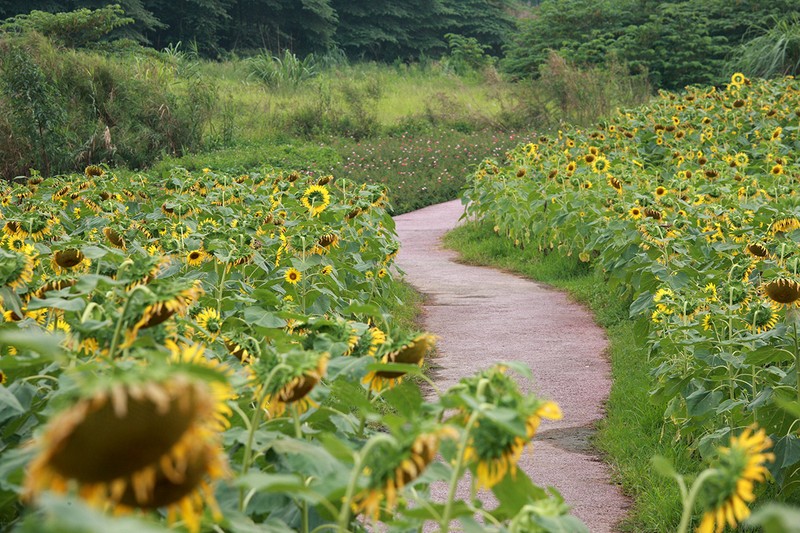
x: 689, y: 206
x: 214, y: 352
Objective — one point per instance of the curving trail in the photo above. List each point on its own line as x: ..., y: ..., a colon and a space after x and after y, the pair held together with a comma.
x: 481, y: 316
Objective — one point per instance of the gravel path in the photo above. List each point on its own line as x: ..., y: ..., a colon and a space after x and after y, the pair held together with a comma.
x: 481, y: 316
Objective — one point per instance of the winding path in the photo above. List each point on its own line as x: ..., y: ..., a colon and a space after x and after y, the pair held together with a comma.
x: 481, y: 316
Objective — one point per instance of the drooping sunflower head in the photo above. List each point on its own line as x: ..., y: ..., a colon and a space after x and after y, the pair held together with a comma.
x: 394, y: 465
x: 16, y: 268
x: 782, y: 292
x: 409, y: 350
x: 139, y: 444
x: 738, y: 468
x: 94, y: 171
x: 70, y: 260
x: 163, y: 299
x: 114, y: 238
x: 287, y: 378
x: 758, y: 250
x: 316, y: 199
x: 784, y: 225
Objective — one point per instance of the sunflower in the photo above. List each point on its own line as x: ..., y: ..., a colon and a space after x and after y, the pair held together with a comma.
x: 785, y: 225
x: 660, y: 191
x: 738, y: 468
x: 240, y: 346
x: 16, y: 268
x: 326, y: 270
x: 393, y: 466
x: 293, y: 276
x: 163, y: 300
x: 196, y: 257
x: 291, y: 385
x: 614, y: 183
x: 411, y: 352
x: 328, y: 241
x: 70, y: 260
x: 741, y: 159
x: 141, y: 445
x: 600, y: 165
x: 782, y: 292
x: 761, y: 316
x: 776, y: 170
x: 209, y: 320
x: 114, y: 238
x: 738, y: 79
x: 316, y: 198
x: 93, y: 171
x: 757, y: 250
x: 635, y: 212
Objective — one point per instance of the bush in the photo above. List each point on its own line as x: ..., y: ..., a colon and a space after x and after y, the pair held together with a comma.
x: 65, y: 109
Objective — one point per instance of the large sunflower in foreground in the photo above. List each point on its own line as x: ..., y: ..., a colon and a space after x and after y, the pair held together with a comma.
x: 140, y: 445
x: 739, y: 467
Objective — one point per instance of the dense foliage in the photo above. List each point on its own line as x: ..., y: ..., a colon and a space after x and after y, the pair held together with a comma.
x: 206, y: 348
x: 679, y: 42
x: 62, y: 109
x: 364, y: 28
x: 690, y: 205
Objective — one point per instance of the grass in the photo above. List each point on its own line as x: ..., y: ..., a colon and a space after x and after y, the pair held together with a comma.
x: 631, y: 433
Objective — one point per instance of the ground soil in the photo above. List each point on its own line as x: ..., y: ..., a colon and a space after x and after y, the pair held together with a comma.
x: 482, y: 316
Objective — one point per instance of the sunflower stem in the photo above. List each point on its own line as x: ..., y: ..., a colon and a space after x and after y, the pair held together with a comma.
x: 359, y: 457
x: 688, y: 501
x: 444, y: 524
x: 118, y: 329
x: 221, y: 288
x: 255, y: 421
x: 796, y: 360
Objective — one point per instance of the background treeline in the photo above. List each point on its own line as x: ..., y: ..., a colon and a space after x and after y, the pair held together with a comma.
x: 365, y: 29
x: 678, y: 42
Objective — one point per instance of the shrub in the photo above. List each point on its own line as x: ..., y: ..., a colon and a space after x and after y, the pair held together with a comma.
x: 65, y: 109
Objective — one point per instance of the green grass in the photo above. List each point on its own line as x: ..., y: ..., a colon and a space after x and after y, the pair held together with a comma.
x: 631, y: 433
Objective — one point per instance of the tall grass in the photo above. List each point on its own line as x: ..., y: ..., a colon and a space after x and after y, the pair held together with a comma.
x: 775, y: 52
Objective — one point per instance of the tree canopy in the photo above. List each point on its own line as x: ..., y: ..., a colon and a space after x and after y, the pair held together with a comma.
x: 372, y: 29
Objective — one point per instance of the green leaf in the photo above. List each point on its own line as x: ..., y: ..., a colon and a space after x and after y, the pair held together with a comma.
x: 702, y: 402
x: 261, y: 317
x: 514, y: 493
x: 33, y: 339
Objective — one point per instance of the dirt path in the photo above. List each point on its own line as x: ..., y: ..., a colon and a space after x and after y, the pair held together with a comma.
x: 481, y: 316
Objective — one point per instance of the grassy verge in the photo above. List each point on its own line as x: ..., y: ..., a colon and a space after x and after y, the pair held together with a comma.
x: 631, y: 433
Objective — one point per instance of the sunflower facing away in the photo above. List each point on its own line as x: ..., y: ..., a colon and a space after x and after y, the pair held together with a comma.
x: 292, y: 385
x: 16, y: 268
x: 316, y: 199
x: 142, y: 445
x: 739, y: 467
x: 394, y: 467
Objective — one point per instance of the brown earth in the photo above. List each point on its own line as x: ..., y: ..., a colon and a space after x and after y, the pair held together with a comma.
x: 483, y: 316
